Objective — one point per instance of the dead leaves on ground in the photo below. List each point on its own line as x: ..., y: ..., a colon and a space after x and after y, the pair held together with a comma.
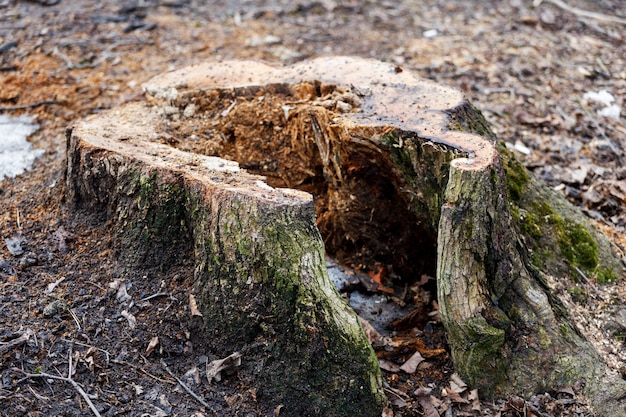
x: 456, y: 393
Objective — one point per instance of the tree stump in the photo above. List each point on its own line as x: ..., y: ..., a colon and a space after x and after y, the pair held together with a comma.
x: 404, y: 172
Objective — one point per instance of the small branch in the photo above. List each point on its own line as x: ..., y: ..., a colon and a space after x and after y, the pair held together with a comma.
x: 140, y: 369
x: 27, y: 106
x: 160, y: 294
x: 25, y: 337
x: 584, y: 277
x: 69, y: 380
x: 584, y: 13
x: 70, y: 359
x: 68, y: 61
x: 186, y: 388
x: 75, y: 319
x: 107, y: 354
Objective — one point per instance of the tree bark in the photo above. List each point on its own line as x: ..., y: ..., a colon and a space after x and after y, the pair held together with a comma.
x: 404, y: 171
x: 260, y: 277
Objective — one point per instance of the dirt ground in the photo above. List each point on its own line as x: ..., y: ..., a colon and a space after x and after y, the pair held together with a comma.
x: 67, y: 308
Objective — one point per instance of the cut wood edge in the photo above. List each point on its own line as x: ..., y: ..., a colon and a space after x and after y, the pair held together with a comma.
x: 391, y: 97
x: 130, y: 131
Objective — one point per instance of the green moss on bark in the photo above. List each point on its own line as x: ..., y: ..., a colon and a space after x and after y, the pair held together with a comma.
x: 480, y: 357
x: 262, y: 281
x: 547, y: 220
x: 154, y: 219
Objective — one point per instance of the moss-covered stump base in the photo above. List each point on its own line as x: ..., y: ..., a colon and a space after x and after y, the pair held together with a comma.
x: 404, y: 172
x: 260, y: 278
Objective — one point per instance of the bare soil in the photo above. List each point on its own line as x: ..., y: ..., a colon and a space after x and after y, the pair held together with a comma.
x: 79, y: 313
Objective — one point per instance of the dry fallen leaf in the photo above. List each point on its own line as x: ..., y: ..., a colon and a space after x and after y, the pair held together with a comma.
x: 215, y: 368
x: 370, y: 332
x: 122, y: 295
x: 567, y: 390
x: 396, y: 397
x: 193, y: 306
x: 153, y: 343
x: 388, y: 366
x: 115, y: 284
x: 132, y: 321
x: 193, y: 374
x: 423, y: 397
x: 410, y: 366
x: 454, y: 396
x: 456, y: 379
x: 473, y: 397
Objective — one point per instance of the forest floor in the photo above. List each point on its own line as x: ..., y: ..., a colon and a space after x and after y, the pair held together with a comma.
x: 535, y: 69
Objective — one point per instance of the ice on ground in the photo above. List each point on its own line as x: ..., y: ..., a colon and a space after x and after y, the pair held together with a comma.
x: 16, y: 153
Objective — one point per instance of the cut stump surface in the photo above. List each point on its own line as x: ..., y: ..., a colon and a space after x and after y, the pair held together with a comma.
x: 404, y: 172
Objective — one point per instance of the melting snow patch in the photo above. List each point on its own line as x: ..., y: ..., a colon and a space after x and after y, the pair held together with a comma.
x: 602, y: 96
x: 16, y: 154
x: 605, y: 98
x: 612, y: 111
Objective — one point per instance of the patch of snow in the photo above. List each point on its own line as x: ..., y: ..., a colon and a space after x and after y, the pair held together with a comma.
x: 610, y: 111
x: 606, y: 99
x: 521, y: 148
x: 602, y: 97
x: 16, y: 153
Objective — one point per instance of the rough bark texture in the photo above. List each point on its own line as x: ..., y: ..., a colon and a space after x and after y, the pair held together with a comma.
x: 405, y: 172
x: 260, y: 275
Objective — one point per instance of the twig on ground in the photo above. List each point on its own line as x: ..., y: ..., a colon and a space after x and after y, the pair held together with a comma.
x: 37, y: 395
x: 77, y: 387
x: 185, y: 387
x: 75, y: 319
x: 160, y: 294
x: 68, y: 61
x: 68, y: 379
x: 107, y: 354
x: 587, y: 280
x: 583, y: 13
x: 70, y: 360
x: 25, y: 337
x: 27, y: 106
x: 140, y: 369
